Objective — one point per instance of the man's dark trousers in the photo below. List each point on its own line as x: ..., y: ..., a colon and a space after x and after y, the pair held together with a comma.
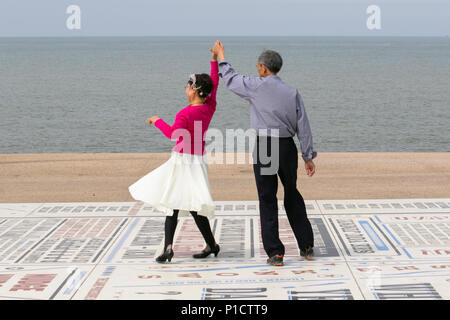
x: 267, y: 186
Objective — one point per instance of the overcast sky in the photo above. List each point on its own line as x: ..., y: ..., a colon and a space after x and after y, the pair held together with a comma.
x: 222, y: 18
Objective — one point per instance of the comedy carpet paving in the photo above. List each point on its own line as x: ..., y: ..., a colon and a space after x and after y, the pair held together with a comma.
x: 364, y: 249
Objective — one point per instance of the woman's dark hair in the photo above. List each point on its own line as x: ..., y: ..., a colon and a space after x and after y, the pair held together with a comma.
x: 204, y: 83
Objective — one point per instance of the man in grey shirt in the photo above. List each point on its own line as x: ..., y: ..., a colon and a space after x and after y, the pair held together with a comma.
x: 275, y: 105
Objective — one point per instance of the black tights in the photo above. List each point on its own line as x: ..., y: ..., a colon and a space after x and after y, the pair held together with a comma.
x: 202, y: 223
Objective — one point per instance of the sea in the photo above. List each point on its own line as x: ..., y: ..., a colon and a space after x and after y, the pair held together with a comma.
x: 93, y: 94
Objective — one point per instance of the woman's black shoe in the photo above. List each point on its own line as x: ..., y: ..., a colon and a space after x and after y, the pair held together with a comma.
x: 205, y: 254
x: 167, y: 255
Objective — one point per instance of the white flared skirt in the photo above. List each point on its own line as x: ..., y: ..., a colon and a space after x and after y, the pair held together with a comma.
x: 179, y: 183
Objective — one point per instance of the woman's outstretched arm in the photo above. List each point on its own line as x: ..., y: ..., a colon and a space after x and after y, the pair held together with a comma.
x: 179, y: 124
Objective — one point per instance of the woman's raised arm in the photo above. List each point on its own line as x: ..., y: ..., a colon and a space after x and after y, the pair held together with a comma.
x: 211, y: 98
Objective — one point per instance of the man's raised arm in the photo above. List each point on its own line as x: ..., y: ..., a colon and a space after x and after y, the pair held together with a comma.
x: 241, y: 85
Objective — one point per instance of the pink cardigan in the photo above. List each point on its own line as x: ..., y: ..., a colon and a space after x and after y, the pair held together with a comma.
x: 192, y: 122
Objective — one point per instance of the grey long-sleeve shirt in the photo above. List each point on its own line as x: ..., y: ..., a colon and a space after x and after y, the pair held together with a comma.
x: 273, y: 105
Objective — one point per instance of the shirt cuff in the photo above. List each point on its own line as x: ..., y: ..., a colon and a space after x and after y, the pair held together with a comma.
x: 309, y: 156
x: 221, y: 66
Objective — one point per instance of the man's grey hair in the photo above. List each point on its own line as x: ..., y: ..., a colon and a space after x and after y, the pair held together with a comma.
x: 271, y: 59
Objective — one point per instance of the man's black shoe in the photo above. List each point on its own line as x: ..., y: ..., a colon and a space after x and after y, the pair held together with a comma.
x: 276, y: 260
x: 308, y: 253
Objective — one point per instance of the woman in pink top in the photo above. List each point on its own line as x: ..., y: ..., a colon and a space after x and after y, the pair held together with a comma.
x: 181, y: 186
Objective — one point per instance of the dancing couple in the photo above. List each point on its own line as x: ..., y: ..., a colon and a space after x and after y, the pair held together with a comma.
x: 181, y: 185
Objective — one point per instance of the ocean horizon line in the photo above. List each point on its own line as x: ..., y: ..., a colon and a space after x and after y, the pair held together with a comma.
x: 223, y: 36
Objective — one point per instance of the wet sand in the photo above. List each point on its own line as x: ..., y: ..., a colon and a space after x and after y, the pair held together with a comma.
x: 106, y: 177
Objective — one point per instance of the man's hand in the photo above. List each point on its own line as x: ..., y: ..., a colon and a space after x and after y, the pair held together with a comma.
x: 152, y: 120
x: 219, y: 50
x: 310, y: 168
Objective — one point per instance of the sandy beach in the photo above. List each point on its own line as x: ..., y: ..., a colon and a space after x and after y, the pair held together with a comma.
x: 106, y: 177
